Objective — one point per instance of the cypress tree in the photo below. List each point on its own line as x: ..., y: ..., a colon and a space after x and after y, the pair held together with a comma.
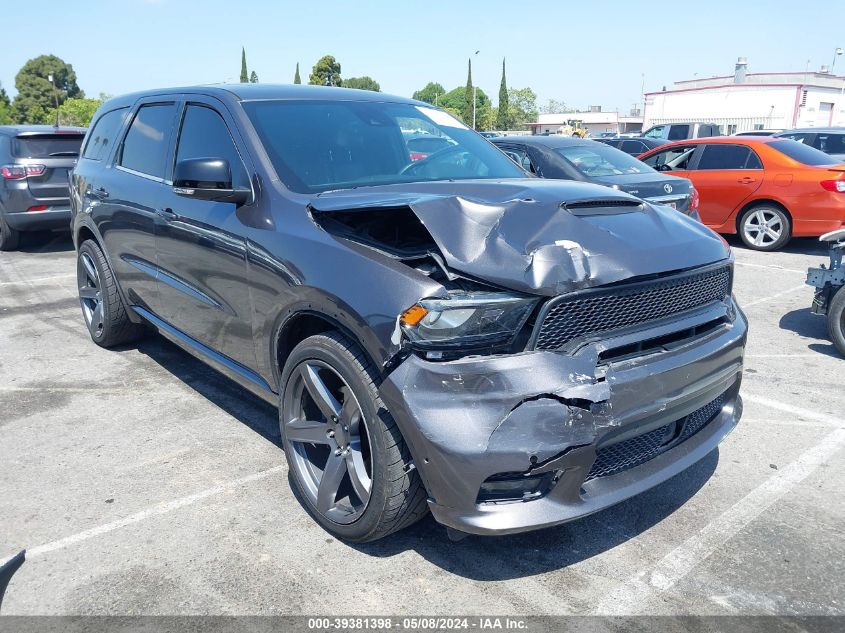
x: 503, y: 119
x: 467, y: 113
x: 296, y: 78
x: 244, y: 74
x: 253, y: 77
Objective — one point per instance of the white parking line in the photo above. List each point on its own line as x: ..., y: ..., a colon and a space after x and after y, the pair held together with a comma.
x: 39, y: 280
x: 156, y: 510
x: 797, y: 411
x: 771, y: 267
x: 631, y: 597
x: 748, y: 304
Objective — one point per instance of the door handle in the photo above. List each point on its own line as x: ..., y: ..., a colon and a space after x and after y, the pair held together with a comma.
x: 746, y: 180
x: 168, y: 214
x: 99, y: 192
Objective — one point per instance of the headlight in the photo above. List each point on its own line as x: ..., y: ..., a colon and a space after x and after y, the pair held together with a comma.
x: 466, y: 320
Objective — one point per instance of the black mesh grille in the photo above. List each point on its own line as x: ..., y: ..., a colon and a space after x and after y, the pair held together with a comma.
x: 638, y: 450
x: 607, y: 309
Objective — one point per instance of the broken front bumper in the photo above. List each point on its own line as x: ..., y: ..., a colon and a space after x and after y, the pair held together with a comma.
x: 549, y: 413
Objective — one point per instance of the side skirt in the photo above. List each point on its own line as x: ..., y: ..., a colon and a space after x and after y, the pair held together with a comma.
x: 244, y: 376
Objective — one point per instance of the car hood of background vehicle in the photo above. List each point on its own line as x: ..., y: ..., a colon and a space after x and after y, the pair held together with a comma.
x: 519, y: 234
x: 647, y: 185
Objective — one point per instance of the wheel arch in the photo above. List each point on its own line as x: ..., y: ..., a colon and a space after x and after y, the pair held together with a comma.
x: 86, y: 231
x: 307, y: 321
x: 757, y: 202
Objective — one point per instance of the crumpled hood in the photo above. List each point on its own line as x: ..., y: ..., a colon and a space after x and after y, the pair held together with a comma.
x: 520, y: 235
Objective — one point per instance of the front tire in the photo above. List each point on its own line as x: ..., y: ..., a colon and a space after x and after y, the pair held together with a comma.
x: 103, y: 311
x: 347, y: 458
x: 765, y: 227
x: 9, y: 237
x: 836, y: 320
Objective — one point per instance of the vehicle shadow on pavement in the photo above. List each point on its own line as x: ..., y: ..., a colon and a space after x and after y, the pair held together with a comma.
x: 808, y: 325
x: 248, y: 409
x: 45, y: 242
x: 519, y: 555
x: 796, y: 246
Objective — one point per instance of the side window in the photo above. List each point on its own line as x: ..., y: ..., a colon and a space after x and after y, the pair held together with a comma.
x: 658, y: 131
x: 725, y: 157
x: 519, y: 156
x: 635, y: 148
x: 678, y: 132
x: 673, y: 159
x: 801, y: 137
x: 830, y: 143
x: 102, y: 136
x: 145, y: 145
x: 205, y: 135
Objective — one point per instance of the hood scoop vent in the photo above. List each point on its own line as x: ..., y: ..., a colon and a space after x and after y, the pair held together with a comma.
x: 611, y: 206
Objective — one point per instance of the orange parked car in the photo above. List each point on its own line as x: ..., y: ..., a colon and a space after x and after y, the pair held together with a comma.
x: 764, y: 188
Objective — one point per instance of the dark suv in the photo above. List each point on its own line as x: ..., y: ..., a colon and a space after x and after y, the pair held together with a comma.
x: 34, y: 165
x: 443, y: 333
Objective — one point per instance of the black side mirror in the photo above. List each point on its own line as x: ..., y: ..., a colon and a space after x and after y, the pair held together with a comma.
x: 207, y: 179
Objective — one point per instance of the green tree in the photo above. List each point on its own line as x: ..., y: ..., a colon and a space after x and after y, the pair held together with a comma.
x: 78, y: 112
x: 4, y: 98
x: 253, y: 77
x: 555, y: 106
x: 244, y: 74
x: 362, y: 83
x: 523, y: 106
x: 503, y: 119
x: 5, y: 107
x: 37, y: 96
x: 326, y: 72
x: 296, y: 78
x: 455, y: 103
x: 430, y: 94
x: 469, y: 96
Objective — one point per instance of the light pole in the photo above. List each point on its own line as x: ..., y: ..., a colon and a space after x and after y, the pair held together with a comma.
x: 838, y: 106
x: 474, y: 92
x: 55, y: 97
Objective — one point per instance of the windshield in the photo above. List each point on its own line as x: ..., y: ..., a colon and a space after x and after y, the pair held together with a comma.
x: 47, y: 145
x: 603, y: 160
x: 322, y: 145
x: 803, y: 153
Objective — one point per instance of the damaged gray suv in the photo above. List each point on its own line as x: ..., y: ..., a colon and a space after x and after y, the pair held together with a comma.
x: 438, y: 330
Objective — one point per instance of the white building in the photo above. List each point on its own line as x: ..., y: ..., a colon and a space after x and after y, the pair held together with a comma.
x: 596, y: 121
x: 751, y: 101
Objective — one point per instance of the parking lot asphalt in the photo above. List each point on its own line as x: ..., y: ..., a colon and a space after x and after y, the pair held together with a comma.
x: 142, y: 482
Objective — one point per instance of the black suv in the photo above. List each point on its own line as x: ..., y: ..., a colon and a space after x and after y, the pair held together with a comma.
x: 439, y: 332
x: 34, y: 165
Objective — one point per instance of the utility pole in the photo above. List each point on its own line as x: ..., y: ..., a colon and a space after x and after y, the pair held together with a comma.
x: 55, y: 97
x: 474, y: 92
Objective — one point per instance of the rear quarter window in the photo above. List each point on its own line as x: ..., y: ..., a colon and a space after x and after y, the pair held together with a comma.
x: 103, y: 135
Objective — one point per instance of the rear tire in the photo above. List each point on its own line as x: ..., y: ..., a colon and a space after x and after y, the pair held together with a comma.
x: 9, y: 237
x: 346, y: 456
x: 836, y: 320
x: 103, y: 311
x: 765, y: 227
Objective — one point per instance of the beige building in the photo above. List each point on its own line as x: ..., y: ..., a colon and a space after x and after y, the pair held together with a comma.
x: 595, y: 120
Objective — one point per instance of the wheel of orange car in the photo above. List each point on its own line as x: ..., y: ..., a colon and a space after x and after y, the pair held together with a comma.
x: 836, y: 320
x: 345, y: 453
x: 765, y: 227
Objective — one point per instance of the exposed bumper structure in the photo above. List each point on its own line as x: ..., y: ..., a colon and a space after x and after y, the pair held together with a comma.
x: 545, y: 415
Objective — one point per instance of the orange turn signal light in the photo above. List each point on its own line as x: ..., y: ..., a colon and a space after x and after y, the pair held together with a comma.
x: 413, y: 315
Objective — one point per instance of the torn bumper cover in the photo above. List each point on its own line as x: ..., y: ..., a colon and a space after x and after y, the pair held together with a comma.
x: 568, y: 433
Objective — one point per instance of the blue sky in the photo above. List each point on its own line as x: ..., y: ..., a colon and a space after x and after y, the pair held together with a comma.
x: 562, y: 50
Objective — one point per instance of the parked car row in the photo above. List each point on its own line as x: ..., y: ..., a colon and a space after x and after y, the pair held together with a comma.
x: 440, y: 329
